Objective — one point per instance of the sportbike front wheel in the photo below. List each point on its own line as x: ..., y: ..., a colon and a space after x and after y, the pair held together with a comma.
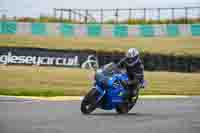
x: 89, y: 103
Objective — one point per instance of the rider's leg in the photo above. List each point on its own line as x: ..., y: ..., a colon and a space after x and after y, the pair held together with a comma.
x: 130, y: 92
x: 132, y: 89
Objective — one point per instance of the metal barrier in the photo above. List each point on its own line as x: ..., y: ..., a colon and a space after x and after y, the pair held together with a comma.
x: 121, y: 15
x: 98, y: 30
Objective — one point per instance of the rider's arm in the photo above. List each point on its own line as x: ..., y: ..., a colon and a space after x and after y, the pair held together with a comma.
x: 121, y: 63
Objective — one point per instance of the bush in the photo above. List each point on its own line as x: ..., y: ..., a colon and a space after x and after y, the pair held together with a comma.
x: 45, y: 19
x: 164, y: 21
x: 153, y: 62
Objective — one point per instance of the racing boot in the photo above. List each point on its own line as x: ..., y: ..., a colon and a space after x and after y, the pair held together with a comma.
x: 132, y: 92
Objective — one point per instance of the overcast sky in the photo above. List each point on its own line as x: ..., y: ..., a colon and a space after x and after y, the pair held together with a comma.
x: 35, y: 7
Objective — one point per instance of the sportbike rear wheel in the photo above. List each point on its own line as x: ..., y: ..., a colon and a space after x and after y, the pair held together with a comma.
x: 126, y: 107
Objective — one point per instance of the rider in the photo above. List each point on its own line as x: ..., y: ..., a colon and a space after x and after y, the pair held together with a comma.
x: 134, y: 69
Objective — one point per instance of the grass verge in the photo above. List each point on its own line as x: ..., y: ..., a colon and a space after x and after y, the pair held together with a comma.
x: 51, y: 81
x: 159, y: 45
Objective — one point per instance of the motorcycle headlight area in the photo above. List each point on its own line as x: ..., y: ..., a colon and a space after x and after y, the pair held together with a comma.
x: 104, y: 80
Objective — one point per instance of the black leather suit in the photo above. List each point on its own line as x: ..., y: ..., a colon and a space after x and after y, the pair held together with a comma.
x: 135, y: 70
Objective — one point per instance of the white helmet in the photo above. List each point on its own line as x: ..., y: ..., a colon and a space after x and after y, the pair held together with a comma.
x: 132, y: 52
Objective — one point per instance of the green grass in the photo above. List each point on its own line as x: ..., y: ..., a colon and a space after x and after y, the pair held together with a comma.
x: 51, y: 81
x: 164, y: 45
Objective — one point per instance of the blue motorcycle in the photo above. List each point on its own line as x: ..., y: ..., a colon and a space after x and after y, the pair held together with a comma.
x: 109, y: 91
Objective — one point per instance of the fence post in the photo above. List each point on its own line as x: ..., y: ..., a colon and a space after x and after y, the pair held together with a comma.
x: 102, y: 15
x: 74, y: 15
x: 173, y: 17
x: 79, y: 12
x: 54, y: 12
x: 4, y: 17
x: 130, y: 14
x: 70, y: 15
x: 86, y: 16
x: 199, y: 12
x: 61, y: 14
x: 145, y: 14
x: 186, y: 15
x: 117, y: 15
x: 159, y: 14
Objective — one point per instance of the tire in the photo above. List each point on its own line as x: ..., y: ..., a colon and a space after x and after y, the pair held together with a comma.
x: 89, y: 103
x: 122, y: 109
x: 126, y: 107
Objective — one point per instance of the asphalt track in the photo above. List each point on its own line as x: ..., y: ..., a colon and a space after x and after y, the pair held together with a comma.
x: 181, y: 115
